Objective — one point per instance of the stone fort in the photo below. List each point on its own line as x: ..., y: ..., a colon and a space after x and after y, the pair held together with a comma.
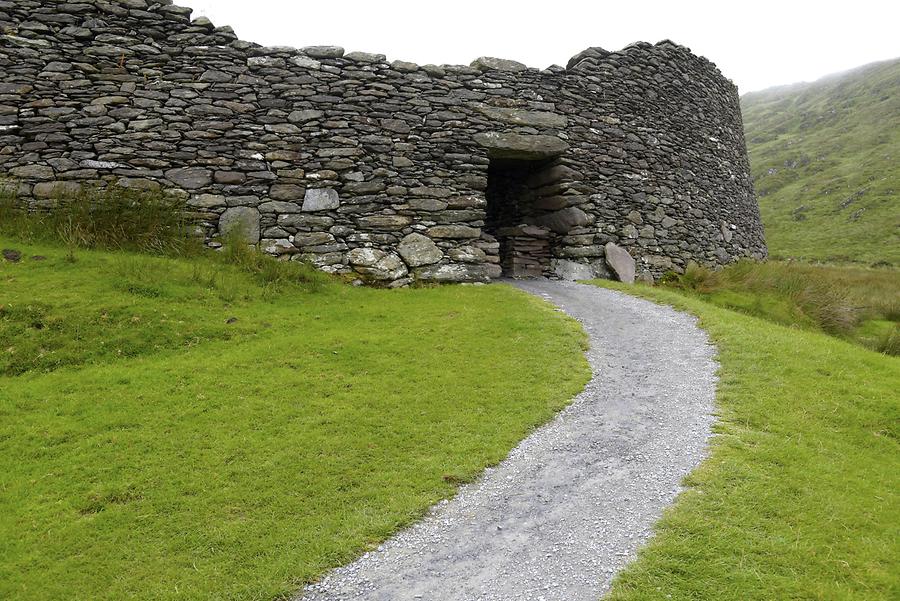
x: 395, y: 171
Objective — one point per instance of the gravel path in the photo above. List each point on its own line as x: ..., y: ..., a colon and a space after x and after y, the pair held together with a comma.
x: 573, y: 502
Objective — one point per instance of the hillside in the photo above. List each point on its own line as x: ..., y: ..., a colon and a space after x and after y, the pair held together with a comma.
x: 826, y: 163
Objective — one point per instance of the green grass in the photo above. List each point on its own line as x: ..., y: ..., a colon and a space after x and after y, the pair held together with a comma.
x: 824, y: 158
x: 104, y: 218
x: 798, y: 498
x: 183, y: 429
x: 858, y: 304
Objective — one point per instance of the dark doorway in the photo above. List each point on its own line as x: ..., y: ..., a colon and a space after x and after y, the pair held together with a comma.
x: 516, y: 193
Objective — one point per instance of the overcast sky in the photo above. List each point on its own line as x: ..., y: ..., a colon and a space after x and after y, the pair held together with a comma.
x: 757, y: 44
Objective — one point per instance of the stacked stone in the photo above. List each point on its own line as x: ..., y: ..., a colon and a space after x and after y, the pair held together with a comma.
x: 525, y: 251
x: 363, y: 166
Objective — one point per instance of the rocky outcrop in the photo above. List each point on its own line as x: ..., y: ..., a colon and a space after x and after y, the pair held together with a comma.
x: 391, y: 170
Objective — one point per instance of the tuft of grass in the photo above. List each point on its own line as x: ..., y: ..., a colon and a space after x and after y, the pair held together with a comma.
x: 839, y: 301
x: 268, y: 271
x: 798, y: 497
x: 112, y: 218
x: 170, y: 443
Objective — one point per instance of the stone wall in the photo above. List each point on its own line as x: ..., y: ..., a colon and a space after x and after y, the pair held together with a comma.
x: 381, y: 168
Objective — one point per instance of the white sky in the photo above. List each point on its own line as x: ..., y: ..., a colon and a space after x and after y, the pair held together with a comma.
x: 756, y: 43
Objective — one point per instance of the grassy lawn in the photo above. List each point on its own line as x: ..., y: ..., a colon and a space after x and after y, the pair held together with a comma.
x: 799, y: 496
x: 178, y: 429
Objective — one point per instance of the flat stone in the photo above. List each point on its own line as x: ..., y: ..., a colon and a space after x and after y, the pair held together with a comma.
x: 189, y: 178
x: 467, y: 254
x: 229, y: 177
x: 279, y: 207
x: 313, y: 239
x: 321, y: 199
x: 365, y: 57
x: 33, y: 172
x: 286, y: 192
x: 509, y: 145
x: 457, y: 272
x: 454, y: 231
x: 620, y: 262
x: 572, y: 271
x: 565, y: 219
x: 305, y: 62
x: 241, y: 219
x: 377, y: 264
x: 55, y: 190
x: 305, y: 115
x: 323, y: 51
x: 522, y: 117
x: 418, y: 250
x: 384, y: 222
x: 490, y: 63
x: 207, y: 201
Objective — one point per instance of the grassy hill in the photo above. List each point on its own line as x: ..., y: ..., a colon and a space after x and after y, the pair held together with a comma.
x: 826, y: 162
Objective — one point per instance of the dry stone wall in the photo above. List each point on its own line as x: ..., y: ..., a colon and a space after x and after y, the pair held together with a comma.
x: 392, y: 170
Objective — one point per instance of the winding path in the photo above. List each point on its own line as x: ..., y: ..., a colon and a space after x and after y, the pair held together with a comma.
x: 572, y: 503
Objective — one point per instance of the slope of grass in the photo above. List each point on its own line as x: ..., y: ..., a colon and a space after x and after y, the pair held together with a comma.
x: 825, y: 158
x: 798, y: 498
x: 177, y: 429
x: 854, y: 303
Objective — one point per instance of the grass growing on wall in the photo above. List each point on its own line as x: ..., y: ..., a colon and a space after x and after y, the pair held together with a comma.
x: 180, y: 429
x: 798, y: 498
x: 112, y: 218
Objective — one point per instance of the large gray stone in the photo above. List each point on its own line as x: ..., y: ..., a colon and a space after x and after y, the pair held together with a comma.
x: 572, y: 271
x: 458, y: 272
x: 620, y: 262
x: 244, y: 220
x: 565, y: 219
x: 454, y: 231
x: 418, y: 250
x: 376, y: 264
x: 190, y: 178
x: 384, y: 222
x: 323, y: 51
x: 207, y: 201
x: 33, y: 172
x: 321, y: 199
x: 509, y: 145
x: 523, y: 117
x: 490, y: 63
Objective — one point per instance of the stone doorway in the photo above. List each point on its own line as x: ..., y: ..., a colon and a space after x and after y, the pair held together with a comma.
x: 519, y: 192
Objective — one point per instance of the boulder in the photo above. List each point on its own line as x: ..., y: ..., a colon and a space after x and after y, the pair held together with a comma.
x: 241, y: 219
x: 418, y: 250
x: 620, y: 262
